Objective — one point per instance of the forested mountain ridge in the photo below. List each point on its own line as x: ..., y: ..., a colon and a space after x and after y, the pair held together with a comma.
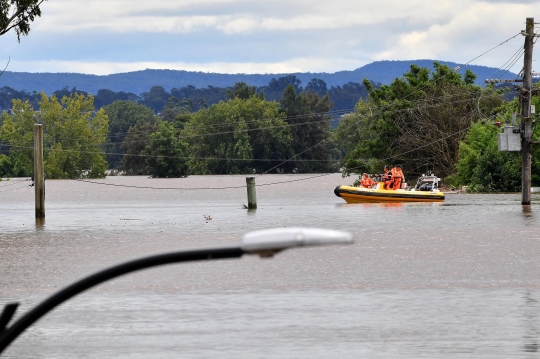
x: 383, y: 72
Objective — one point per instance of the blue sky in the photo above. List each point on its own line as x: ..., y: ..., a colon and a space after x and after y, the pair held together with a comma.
x: 270, y: 36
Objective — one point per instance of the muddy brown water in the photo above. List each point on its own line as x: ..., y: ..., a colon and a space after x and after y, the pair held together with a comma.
x: 456, y: 279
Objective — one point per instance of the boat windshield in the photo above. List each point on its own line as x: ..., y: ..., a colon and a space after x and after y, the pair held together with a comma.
x: 427, y: 183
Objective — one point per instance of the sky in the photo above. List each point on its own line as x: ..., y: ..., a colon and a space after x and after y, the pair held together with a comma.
x: 255, y: 36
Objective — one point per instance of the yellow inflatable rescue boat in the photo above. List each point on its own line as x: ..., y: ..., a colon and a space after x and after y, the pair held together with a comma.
x: 426, y: 190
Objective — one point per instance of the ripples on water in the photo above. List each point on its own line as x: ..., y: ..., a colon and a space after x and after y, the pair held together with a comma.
x: 422, y: 280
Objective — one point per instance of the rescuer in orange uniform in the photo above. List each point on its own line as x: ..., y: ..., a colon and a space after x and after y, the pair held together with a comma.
x: 397, y: 177
x: 387, y: 178
x: 367, y: 182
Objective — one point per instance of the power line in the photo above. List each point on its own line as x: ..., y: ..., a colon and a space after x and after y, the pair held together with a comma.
x: 201, y: 188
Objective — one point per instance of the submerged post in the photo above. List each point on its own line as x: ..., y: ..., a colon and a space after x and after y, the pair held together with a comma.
x: 251, y: 192
x: 39, y: 172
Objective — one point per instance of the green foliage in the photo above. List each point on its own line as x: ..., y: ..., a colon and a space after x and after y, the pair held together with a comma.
x: 7, y: 168
x: 72, y: 136
x: 17, y: 129
x: 496, y: 171
x: 242, y: 91
x: 7, y: 95
x: 309, y: 128
x: 105, y: 97
x: 475, y: 144
x: 166, y: 153
x: 133, y: 162
x: 228, y: 131
x: 417, y: 121
x: 122, y: 116
x: 275, y: 88
x: 174, y: 107
x: 17, y: 15
x: 156, y: 98
x: 485, y: 169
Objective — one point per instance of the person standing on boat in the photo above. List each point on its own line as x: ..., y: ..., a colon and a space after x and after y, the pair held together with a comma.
x: 367, y: 182
x: 387, y: 178
x: 385, y: 174
x: 397, y: 177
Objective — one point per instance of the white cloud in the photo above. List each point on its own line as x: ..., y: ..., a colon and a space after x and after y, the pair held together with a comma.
x: 234, y: 16
x: 251, y: 36
x: 106, y: 68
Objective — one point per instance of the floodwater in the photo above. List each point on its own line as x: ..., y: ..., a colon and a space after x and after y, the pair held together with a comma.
x: 456, y: 279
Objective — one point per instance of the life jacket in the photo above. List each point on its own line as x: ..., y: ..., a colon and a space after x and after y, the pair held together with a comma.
x: 367, y: 182
x: 397, y: 173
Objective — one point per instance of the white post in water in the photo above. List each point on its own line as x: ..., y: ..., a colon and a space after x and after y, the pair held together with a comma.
x: 39, y: 172
x: 251, y: 192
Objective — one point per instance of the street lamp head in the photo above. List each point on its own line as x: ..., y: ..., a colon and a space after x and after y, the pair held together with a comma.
x: 267, y: 242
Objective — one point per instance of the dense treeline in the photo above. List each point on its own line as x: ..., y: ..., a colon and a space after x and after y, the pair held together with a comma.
x: 245, y: 134
x: 427, y: 120
x: 343, y: 97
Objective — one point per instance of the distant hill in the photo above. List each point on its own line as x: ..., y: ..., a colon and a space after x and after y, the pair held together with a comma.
x: 137, y: 82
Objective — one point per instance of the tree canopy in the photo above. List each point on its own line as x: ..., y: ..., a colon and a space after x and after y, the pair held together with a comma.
x: 236, y: 133
x: 17, y: 15
x: 417, y: 121
x: 73, y: 135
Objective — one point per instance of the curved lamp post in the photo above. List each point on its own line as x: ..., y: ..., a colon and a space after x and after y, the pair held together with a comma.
x: 264, y: 243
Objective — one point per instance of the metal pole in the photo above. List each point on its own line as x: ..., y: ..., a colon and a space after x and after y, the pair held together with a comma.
x: 39, y: 171
x: 526, y: 121
x: 251, y: 193
x: 9, y: 334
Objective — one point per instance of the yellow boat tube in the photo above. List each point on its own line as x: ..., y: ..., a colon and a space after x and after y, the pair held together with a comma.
x: 379, y: 194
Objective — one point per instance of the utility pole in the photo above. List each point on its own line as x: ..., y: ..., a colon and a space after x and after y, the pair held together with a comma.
x: 526, y: 120
x: 39, y: 171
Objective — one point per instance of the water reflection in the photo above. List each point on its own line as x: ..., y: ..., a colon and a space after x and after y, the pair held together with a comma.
x: 40, y: 223
x: 531, y: 324
x: 527, y: 212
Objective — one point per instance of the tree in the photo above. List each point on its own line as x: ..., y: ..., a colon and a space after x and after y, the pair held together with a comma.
x: 66, y: 92
x: 73, y: 135
x: 17, y: 15
x: 236, y: 133
x: 165, y: 153
x: 175, y: 107
x: 274, y: 89
x: 18, y: 131
x: 310, y: 129
x: 420, y: 119
x: 317, y: 86
x: 105, y: 97
x: 133, y: 162
x: 156, y: 98
x: 345, y: 97
x: 483, y: 167
x: 122, y: 116
x: 242, y: 91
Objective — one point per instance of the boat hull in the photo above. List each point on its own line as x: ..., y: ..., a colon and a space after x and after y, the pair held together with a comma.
x: 362, y: 195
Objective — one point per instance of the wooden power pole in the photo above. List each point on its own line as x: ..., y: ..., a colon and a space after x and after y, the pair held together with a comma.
x: 526, y: 120
x: 39, y: 171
